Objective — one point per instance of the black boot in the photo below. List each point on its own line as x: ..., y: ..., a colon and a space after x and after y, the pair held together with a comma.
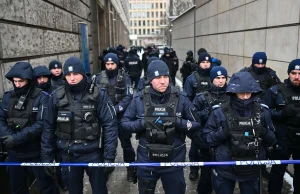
x: 130, y: 174
x: 193, y: 175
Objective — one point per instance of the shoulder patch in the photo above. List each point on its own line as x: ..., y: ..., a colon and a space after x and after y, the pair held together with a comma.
x: 264, y: 106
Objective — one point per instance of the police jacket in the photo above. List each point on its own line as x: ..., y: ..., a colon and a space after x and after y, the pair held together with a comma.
x: 266, y: 79
x: 57, y: 81
x: 172, y: 64
x: 27, y: 138
x: 145, y: 58
x: 134, y: 122
x: 187, y: 67
x: 206, y: 101
x: 197, y: 82
x: 133, y: 66
x: 236, y: 116
x: 287, y: 129
x: 66, y: 110
x: 119, y: 90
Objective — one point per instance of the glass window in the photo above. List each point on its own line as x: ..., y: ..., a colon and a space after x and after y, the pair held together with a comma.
x: 148, y: 22
x: 144, y: 23
x: 134, y: 31
x: 152, y: 22
x: 139, y: 23
x: 156, y: 5
x: 165, y: 5
x: 157, y: 22
x: 161, y: 6
x: 148, y: 30
x: 152, y: 14
x: 161, y: 14
x: 156, y: 14
x: 140, y: 32
x: 152, y: 6
x: 148, y: 14
x: 144, y: 31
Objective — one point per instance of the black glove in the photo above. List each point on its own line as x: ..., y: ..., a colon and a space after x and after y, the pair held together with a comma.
x: 108, y: 170
x: 8, y: 141
x: 50, y: 170
x: 226, y: 132
x: 288, y: 111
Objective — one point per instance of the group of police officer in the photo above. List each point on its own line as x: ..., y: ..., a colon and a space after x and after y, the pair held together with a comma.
x: 71, y: 117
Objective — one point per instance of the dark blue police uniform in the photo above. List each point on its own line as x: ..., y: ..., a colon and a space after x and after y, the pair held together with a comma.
x: 82, y: 125
x: 133, y: 66
x: 168, y: 116
x: 239, y: 130
x: 283, y: 100
x: 118, y: 86
x: 21, y: 125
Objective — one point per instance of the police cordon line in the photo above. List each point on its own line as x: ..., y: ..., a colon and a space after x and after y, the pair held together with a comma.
x: 157, y: 164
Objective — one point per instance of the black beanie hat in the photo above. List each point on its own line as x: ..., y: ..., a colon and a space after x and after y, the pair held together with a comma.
x: 294, y: 65
x: 157, y: 68
x: 204, y: 57
x: 73, y: 64
x: 55, y: 64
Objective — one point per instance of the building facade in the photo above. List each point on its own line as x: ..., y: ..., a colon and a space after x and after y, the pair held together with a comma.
x: 233, y: 31
x: 38, y: 31
x: 148, y: 19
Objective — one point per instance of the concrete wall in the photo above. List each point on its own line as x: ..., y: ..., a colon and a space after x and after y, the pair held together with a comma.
x: 232, y: 30
x: 38, y: 31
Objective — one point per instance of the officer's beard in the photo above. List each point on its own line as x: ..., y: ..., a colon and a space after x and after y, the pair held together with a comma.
x: 259, y: 70
x: 44, y: 86
x: 295, y: 84
x: 23, y: 90
x: 111, y: 73
x: 79, y: 87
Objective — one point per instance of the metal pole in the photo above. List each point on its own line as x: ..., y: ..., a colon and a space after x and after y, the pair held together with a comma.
x: 84, y: 46
x: 195, y: 27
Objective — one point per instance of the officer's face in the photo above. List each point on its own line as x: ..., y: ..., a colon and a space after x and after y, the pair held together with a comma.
x: 294, y: 76
x: 259, y: 65
x: 160, y: 83
x: 20, y: 82
x: 244, y: 95
x: 205, y: 64
x: 42, y: 79
x: 110, y: 65
x: 74, y: 78
x: 56, y: 71
x: 219, y: 81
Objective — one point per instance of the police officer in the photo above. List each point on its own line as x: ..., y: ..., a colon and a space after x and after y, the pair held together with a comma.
x: 55, y: 67
x: 239, y: 130
x: 172, y: 64
x: 199, y: 80
x: 119, y: 89
x: 42, y: 77
x: 161, y: 116
x: 21, y: 125
x: 121, y: 56
x: 283, y: 100
x: 133, y: 66
x: 77, y: 119
x: 188, y: 66
x: 264, y: 76
x: 145, y: 57
x: 205, y: 102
